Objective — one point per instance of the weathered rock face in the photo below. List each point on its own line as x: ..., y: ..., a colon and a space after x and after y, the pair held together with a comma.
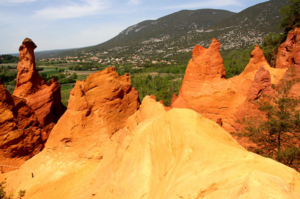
x: 43, y: 98
x: 210, y: 94
x: 289, y: 51
x: 20, y: 134
x: 207, y: 62
x: 158, y: 154
x: 289, y: 56
x: 261, y: 85
x: 98, y: 107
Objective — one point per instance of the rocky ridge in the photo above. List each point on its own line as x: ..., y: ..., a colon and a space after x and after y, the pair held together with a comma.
x: 157, y: 154
x: 180, y: 31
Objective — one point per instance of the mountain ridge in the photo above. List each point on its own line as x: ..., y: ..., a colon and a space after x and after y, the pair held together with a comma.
x: 182, y: 30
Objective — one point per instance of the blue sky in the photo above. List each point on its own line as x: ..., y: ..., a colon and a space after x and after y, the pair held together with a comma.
x: 63, y: 24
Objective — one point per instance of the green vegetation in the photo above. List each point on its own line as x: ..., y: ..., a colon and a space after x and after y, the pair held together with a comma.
x: 39, y: 68
x: 8, y: 59
x: 22, y: 193
x: 82, y: 66
x: 8, y: 78
x: 236, y: 61
x: 50, y: 63
x: 3, y: 193
x: 161, y: 86
x: 278, y: 130
x: 74, y: 76
x: 270, y: 45
x: 65, y: 93
x: 291, y: 15
x: 60, y: 77
x: 8, y: 74
x: 51, y: 72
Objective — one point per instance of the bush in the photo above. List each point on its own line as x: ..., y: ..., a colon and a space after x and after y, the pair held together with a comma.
x: 3, y: 193
x: 39, y: 68
x: 22, y: 193
x: 66, y: 81
x: 6, y: 78
x: 74, y: 76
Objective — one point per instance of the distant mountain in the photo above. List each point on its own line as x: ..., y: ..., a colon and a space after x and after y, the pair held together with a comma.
x: 154, y: 34
x: 170, y: 26
x: 246, y: 28
x: 180, y: 31
x: 53, y: 53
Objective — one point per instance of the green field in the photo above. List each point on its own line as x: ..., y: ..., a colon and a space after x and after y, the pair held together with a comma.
x: 65, y: 93
x: 50, y: 72
x: 9, y: 64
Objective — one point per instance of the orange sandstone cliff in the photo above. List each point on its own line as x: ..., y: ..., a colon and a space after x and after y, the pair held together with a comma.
x: 205, y: 89
x: 20, y: 134
x: 43, y: 98
x: 157, y: 154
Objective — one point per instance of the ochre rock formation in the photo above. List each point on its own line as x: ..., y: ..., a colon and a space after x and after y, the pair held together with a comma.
x: 206, y: 63
x: 205, y: 89
x: 260, y: 85
x: 157, y: 154
x: 20, y: 134
x: 256, y: 61
x: 43, y: 98
x: 98, y: 107
x: 161, y: 102
x: 289, y: 57
x: 289, y: 51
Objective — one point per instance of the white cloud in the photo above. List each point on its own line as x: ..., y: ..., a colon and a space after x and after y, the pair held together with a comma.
x: 16, y: 1
x: 133, y: 2
x: 206, y: 4
x: 88, y: 7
